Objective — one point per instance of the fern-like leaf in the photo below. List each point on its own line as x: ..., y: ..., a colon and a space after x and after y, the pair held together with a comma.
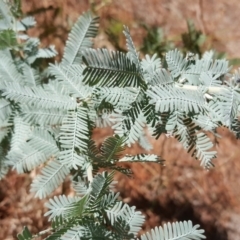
x: 150, y: 65
x: 176, y: 62
x: 5, y: 109
x: 182, y: 128
x: 203, y: 144
x: 161, y: 77
x: 112, y: 148
x: 122, y: 211
x: 132, y: 52
x: 60, y: 206
x: 52, y: 175
x: 26, y: 158
x: 42, y: 116
x: 120, y: 98
x: 205, y: 122
x: 208, y: 79
x: 87, y: 25
x: 80, y: 187
x: 44, y: 142
x: 8, y: 39
x: 6, y: 16
x: 110, y: 69
x: 168, y: 98
x: 25, y: 235
x: 22, y: 132
x: 224, y: 106
x: 175, y: 231
x: 37, y: 97
x: 99, y: 188
x: 71, y: 77
x: 193, y: 72
x: 74, y: 138
x: 39, y: 148
x: 74, y: 233
x: 8, y: 70
x: 136, y: 129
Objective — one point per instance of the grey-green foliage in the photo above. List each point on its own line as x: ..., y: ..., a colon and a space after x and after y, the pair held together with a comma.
x: 47, y: 118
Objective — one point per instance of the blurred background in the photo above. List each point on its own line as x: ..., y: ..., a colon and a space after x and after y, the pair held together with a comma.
x: 181, y: 189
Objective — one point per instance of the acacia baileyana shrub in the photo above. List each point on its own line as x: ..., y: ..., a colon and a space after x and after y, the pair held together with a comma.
x: 47, y: 118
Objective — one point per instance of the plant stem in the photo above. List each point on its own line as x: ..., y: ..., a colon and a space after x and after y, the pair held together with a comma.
x: 89, y: 173
x: 210, y: 90
x: 42, y: 233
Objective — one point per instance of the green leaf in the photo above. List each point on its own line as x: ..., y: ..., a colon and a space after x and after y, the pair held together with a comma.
x: 112, y: 148
x: 8, y: 39
x: 100, y: 186
x: 25, y: 235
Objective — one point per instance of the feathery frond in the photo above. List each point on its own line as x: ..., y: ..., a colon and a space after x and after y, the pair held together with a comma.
x: 42, y: 116
x: 176, y: 62
x: 8, y: 39
x: 120, y: 98
x: 80, y: 187
x: 30, y: 75
x: 22, y: 132
x: 175, y: 231
x: 202, y: 151
x: 112, y: 148
x: 110, y: 69
x: 36, y: 96
x: 52, y: 175
x: 25, y: 235
x: 132, y: 52
x: 193, y: 72
x: 137, y: 128
x: 74, y: 138
x: 5, y: 109
x: 71, y: 78
x: 6, y: 16
x: 38, y: 149
x: 8, y: 70
x: 182, y: 127
x: 209, y: 79
x: 99, y: 188
x: 87, y: 25
x: 74, y: 233
x: 161, y: 77
x: 150, y: 65
x: 121, y: 211
x: 168, y: 98
x: 60, y: 206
